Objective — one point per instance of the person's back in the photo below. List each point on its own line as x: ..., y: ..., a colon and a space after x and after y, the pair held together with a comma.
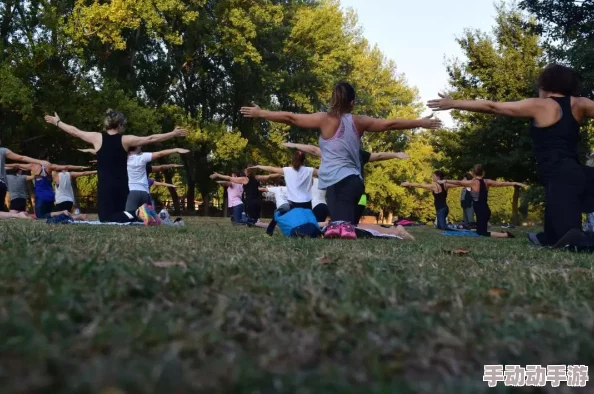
x: 556, y: 146
x: 234, y: 193
x: 252, y: 192
x: 64, y: 191
x: 44, y: 190
x: 136, y: 166
x: 340, y: 154
x: 440, y: 199
x: 299, y: 183
x: 112, y: 161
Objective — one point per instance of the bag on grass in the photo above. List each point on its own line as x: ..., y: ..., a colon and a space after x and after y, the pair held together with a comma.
x: 298, y: 222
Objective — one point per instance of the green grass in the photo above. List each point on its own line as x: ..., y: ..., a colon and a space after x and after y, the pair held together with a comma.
x: 84, y: 310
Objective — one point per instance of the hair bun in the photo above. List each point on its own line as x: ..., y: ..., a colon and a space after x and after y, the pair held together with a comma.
x: 109, y: 111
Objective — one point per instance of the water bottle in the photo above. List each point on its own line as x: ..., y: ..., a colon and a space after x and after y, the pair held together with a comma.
x: 77, y: 211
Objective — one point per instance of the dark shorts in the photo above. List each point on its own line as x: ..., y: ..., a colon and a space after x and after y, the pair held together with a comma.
x: 43, y: 209
x: 64, y: 206
x: 19, y: 205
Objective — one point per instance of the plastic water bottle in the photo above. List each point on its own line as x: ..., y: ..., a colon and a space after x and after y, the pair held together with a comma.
x: 77, y: 211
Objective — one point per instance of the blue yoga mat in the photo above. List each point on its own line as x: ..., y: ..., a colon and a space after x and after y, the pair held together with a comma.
x: 460, y: 233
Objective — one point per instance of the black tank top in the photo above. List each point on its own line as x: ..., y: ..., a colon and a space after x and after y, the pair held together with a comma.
x: 483, y: 196
x: 556, y: 146
x: 439, y: 199
x: 112, y: 161
x: 251, y: 189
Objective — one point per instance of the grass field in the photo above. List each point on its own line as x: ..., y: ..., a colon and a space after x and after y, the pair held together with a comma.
x: 92, y: 310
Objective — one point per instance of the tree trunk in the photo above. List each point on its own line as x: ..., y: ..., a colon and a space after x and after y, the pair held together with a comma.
x: 191, y: 195
x: 173, y: 193
x: 390, y: 218
x: 515, y: 204
x: 206, y: 204
x: 381, y: 216
x: 225, y: 203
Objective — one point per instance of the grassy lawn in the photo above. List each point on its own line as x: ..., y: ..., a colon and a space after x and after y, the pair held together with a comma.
x: 86, y: 310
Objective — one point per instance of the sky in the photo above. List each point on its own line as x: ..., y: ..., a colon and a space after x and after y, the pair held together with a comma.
x: 420, y: 34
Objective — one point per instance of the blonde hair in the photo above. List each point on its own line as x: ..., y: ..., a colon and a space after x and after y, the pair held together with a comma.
x: 113, y: 120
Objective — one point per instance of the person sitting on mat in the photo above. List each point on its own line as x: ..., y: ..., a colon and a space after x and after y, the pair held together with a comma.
x: 440, y: 195
x: 466, y: 203
x: 555, y: 117
x: 479, y: 189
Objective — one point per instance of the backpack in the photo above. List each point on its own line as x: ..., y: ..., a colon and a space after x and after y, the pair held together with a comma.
x: 298, y: 222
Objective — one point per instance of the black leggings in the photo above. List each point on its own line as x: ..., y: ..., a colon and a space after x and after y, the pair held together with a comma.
x: 343, y: 197
x: 3, y: 189
x: 483, y: 215
x: 253, y: 209
x: 321, y: 212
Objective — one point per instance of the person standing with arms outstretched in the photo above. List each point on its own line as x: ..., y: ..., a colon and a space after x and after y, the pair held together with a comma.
x: 340, y: 142
x: 112, y: 157
x: 555, y: 130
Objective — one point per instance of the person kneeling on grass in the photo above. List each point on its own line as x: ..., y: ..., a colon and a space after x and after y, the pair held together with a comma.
x: 479, y: 189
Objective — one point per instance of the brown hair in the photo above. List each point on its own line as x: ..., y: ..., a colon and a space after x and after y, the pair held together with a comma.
x: 440, y: 174
x: 113, y: 120
x: 298, y: 160
x: 559, y: 79
x: 477, y: 170
x: 248, y: 171
x: 342, y: 99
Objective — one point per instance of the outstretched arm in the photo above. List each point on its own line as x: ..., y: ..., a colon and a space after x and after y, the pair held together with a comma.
x: 132, y: 140
x: 503, y: 184
x: 381, y: 156
x: 452, y: 183
x: 80, y: 174
x: 164, y: 184
x: 92, y: 151
x: 366, y: 123
x: 20, y: 166
x: 311, y: 149
x: 166, y: 167
x: 57, y: 167
x: 25, y: 159
x: 90, y: 137
x: 168, y: 152
x: 263, y: 189
x: 306, y: 121
x: 225, y: 184
x: 238, y: 180
x: 431, y: 187
x: 517, y: 109
x: 587, y: 106
x: 274, y: 170
x: 266, y: 178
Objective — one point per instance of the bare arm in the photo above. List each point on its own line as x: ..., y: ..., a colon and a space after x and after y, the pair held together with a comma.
x: 366, y: 123
x: 168, y: 152
x: 266, y: 178
x: 274, y: 170
x: 90, y: 137
x: 518, y: 109
x: 20, y: 166
x: 263, y: 189
x: 503, y: 184
x: 132, y: 140
x: 311, y: 149
x: 164, y: 184
x: 166, y: 167
x: 57, y: 167
x: 92, y: 151
x: 25, y: 159
x: 381, y: 156
x: 80, y: 174
x: 452, y: 183
x: 238, y: 180
x: 431, y: 187
x: 587, y: 106
x: 225, y: 184
x: 306, y: 121
x: 315, y: 172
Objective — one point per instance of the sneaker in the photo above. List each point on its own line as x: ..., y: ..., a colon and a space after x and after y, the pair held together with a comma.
x: 149, y: 218
x: 333, y: 230
x: 347, y: 231
x: 533, y: 238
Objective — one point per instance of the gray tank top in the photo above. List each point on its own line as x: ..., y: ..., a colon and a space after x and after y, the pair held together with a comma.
x: 17, y: 186
x: 3, y: 165
x: 64, y: 190
x: 340, y: 154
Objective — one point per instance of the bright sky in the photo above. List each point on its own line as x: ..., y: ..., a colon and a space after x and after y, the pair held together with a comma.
x: 419, y: 34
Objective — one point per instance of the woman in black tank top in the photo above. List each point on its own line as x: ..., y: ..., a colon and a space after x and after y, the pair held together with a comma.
x: 479, y: 190
x: 251, y: 182
x: 556, y: 115
x: 440, y: 195
x: 112, y: 148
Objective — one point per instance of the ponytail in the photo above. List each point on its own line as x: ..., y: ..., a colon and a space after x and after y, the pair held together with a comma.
x: 342, y: 99
x: 298, y: 160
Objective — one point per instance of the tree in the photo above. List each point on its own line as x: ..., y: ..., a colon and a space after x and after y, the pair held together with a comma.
x: 503, y: 67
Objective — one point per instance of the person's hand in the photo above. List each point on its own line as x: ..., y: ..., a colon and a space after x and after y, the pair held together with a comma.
x: 405, y: 184
x: 52, y: 119
x: 428, y: 122
x: 521, y: 185
x: 251, y: 112
x: 402, y: 155
x: 177, y: 166
x: 180, y: 132
x: 182, y: 151
x: 443, y: 103
x: 289, y: 145
x: 214, y: 175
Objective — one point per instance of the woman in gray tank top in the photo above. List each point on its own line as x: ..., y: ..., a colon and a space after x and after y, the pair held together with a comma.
x: 340, y: 141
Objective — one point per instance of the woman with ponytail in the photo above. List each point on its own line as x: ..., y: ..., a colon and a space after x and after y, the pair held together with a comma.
x: 340, y: 141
